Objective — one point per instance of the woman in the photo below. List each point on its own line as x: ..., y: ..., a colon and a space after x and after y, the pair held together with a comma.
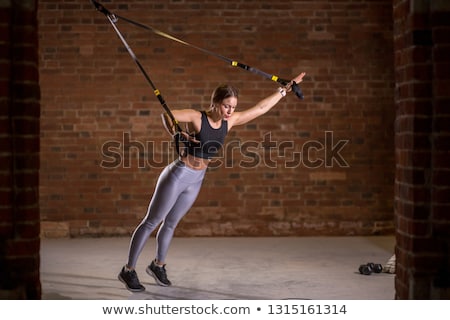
x: 179, y: 183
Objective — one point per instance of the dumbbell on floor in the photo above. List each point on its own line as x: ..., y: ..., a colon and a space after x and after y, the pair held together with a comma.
x: 370, y: 268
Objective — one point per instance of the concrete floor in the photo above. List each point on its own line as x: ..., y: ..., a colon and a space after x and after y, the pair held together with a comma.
x: 320, y: 268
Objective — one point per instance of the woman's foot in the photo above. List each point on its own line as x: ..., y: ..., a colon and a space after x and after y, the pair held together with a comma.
x: 130, y: 279
x: 159, y: 273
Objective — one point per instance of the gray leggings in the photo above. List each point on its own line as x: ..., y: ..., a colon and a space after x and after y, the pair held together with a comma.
x: 175, y: 193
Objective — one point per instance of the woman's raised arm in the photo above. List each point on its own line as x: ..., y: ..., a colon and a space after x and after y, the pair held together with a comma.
x: 262, y: 106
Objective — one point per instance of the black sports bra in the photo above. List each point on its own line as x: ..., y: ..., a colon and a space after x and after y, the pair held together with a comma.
x: 211, y: 140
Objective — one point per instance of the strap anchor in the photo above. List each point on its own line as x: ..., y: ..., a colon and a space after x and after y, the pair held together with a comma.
x: 113, y: 18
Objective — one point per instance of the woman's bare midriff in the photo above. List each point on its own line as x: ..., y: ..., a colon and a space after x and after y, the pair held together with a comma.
x: 195, y: 162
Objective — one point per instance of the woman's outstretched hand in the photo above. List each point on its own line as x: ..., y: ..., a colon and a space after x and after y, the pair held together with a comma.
x: 297, y: 80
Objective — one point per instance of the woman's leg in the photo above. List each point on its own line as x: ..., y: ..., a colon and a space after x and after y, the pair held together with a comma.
x: 165, y: 234
x: 166, y: 194
x: 178, y: 211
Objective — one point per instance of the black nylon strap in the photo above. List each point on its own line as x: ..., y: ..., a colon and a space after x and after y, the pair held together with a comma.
x: 295, y: 87
x: 113, y: 19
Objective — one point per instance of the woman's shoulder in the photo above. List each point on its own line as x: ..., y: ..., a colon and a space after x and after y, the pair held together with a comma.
x: 189, y: 112
x: 187, y: 115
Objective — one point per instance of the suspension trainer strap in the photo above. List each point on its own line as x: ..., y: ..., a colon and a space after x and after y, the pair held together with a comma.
x: 295, y: 87
x: 113, y: 19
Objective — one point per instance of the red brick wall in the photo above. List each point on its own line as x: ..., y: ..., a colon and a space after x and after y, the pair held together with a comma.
x: 422, y: 187
x: 19, y: 151
x: 321, y: 166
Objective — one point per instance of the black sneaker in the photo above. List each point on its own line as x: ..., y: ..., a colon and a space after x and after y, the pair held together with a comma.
x: 131, y: 281
x: 159, y: 273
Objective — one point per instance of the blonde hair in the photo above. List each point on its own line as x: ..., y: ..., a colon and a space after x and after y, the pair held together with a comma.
x: 222, y: 92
